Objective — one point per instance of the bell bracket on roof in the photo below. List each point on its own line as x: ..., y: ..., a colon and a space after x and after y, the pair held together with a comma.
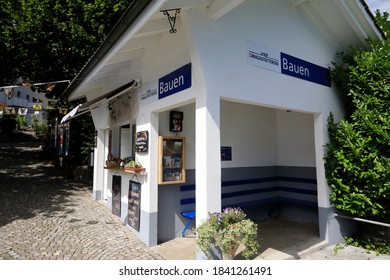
x: 171, y: 18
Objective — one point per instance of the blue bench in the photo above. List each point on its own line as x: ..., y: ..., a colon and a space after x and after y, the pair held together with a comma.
x: 190, y: 215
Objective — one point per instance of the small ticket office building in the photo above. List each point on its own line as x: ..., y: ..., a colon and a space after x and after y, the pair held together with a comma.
x: 223, y: 103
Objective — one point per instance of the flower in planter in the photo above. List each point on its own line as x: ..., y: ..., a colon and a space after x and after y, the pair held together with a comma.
x: 227, y: 230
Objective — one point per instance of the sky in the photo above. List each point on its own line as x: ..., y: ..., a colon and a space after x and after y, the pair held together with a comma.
x: 382, y: 5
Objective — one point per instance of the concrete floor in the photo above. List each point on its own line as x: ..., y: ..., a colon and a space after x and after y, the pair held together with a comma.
x: 279, y: 238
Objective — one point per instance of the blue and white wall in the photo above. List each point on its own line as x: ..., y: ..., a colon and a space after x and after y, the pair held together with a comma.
x: 273, y: 163
x: 220, y: 56
x: 274, y: 123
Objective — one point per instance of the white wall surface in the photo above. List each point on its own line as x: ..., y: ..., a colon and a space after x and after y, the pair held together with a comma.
x: 170, y: 53
x: 295, y: 139
x: 251, y: 132
x: 261, y: 136
x: 221, y: 46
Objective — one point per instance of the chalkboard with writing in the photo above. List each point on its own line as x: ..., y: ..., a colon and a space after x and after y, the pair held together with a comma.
x: 134, y: 204
x: 116, y: 195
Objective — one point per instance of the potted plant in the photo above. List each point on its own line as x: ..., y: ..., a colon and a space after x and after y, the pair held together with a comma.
x: 227, y: 231
x: 134, y: 166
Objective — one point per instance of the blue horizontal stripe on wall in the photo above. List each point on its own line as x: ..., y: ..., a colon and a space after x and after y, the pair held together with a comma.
x: 185, y: 188
x: 266, y: 201
x: 192, y: 200
x: 248, y: 181
x: 296, y: 190
x: 248, y: 192
x: 298, y: 180
x: 255, y: 181
x: 186, y: 201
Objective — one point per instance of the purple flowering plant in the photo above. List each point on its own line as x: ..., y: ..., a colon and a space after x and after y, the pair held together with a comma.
x: 228, y: 230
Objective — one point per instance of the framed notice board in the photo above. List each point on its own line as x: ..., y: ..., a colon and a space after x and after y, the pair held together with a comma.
x: 134, y: 204
x: 116, y: 195
x: 142, y: 141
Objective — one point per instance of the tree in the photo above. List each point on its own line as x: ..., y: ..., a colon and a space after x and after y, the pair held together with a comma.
x: 358, y: 157
x: 49, y: 40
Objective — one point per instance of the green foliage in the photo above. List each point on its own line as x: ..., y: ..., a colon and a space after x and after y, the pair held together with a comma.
x: 21, y: 120
x: 369, y: 244
x: 358, y: 157
x: 383, y: 21
x: 82, y: 139
x: 228, y: 230
x: 39, y: 128
x: 48, y: 40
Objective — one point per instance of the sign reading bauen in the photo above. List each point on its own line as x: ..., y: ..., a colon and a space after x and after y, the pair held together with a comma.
x: 175, y: 81
x: 280, y: 62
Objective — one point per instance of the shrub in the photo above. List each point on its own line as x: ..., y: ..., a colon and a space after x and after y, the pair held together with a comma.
x: 39, y: 127
x: 227, y: 230
x: 357, y: 162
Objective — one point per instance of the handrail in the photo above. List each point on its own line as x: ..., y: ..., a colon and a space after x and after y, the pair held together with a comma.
x: 363, y: 220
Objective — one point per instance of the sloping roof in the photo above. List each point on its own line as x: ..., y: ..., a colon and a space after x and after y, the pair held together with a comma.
x: 343, y: 22
x: 367, y: 8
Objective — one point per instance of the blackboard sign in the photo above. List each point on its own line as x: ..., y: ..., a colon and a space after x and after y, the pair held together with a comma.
x: 116, y: 195
x: 141, y: 143
x: 134, y: 204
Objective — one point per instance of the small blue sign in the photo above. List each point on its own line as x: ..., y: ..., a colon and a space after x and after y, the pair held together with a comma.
x: 175, y: 81
x: 302, y: 69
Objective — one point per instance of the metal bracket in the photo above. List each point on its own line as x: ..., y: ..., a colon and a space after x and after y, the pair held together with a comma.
x: 171, y: 18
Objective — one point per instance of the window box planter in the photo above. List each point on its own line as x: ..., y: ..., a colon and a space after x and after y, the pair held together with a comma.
x: 134, y: 169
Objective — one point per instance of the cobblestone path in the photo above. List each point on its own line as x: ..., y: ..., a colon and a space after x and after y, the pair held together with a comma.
x: 44, y: 216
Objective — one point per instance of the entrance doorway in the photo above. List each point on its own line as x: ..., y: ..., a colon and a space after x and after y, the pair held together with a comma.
x: 272, y: 169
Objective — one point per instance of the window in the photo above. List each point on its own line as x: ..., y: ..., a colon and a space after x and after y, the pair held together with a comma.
x: 125, y: 142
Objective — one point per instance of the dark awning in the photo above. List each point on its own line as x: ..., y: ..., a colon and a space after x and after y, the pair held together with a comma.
x: 96, y: 102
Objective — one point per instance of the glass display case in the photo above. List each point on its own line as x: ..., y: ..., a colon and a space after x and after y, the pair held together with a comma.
x: 171, y: 160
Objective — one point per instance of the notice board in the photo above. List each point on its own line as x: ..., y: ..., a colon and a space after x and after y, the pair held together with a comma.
x: 116, y: 195
x: 134, y: 204
x: 142, y: 141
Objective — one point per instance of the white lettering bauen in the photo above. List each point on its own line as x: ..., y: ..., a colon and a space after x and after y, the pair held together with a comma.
x: 304, y: 71
x: 168, y: 86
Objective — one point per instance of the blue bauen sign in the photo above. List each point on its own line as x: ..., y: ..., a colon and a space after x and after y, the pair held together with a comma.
x: 270, y: 59
x: 175, y: 81
x: 302, y: 69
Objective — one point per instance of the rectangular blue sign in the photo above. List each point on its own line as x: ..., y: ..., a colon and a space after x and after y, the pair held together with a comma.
x: 175, y: 81
x: 302, y: 69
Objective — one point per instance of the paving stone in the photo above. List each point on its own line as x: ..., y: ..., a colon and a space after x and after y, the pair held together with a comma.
x: 44, y: 215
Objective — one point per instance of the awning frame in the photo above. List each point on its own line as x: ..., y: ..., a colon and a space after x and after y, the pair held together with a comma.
x: 83, y: 108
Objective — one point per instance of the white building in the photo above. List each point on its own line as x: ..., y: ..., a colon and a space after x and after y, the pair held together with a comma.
x: 251, y: 79
x: 25, y: 102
